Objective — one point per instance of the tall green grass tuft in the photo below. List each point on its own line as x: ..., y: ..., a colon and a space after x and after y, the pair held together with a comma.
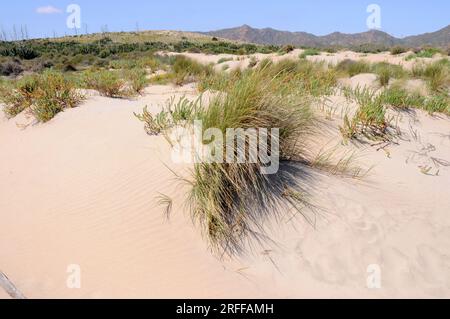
x: 186, y: 70
x: 369, y: 120
x: 437, y: 103
x: 437, y: 74
x: 400, y: 98
x: 225, y: 197
x: 386, y: 71
x: 231, y: 200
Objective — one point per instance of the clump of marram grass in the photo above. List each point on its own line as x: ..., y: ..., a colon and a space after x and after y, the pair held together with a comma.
x: 400, y: 98
x: 437, y: 74
x: 186, y: 70
x: 352, y: 68
x: 437, y: 103
x: 231, y: 200
x: 386, y: 71
x: 44, y: 95
x: 315, y: 79
x: 369, y: 120
x: 384, y: 76
x: 183, y: 70
x: 219, y: 81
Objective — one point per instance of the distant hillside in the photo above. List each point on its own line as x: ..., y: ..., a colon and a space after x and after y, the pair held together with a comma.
x: 246, y: 33
x: 438, y: 38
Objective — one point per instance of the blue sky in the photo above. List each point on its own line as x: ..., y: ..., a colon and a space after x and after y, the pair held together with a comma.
x: 399, y: 17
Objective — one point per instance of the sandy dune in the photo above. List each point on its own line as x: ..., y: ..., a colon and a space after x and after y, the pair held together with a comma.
x: 329, y: 58
x: 82, y: 190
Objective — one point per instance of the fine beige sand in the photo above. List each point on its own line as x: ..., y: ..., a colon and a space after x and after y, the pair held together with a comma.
x: 82, y: 189
x: 236, y: 62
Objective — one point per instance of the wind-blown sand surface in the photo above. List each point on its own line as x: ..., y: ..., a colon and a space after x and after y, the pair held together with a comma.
x: 82, y: 190
x: 331, y: 58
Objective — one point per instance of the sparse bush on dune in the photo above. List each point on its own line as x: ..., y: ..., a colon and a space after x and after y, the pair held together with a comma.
x: 398, y: 50
x: 44, y: 95
x: 13, y: 67
x: 53, y: 94
x: 177, y: 112
x: 18, y: 95
x: 428, y: 52
x: 370, y: 48
x: 287, y: 48
x: 137, y: 79
x: 424, y: 53
x: 107, y: 83
x: 124, y: 64
x: 154, y: 125
x: 128, y: 63
x: 331, y: 49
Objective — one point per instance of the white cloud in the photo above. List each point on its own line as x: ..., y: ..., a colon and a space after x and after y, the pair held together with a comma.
x: 48, y: 10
